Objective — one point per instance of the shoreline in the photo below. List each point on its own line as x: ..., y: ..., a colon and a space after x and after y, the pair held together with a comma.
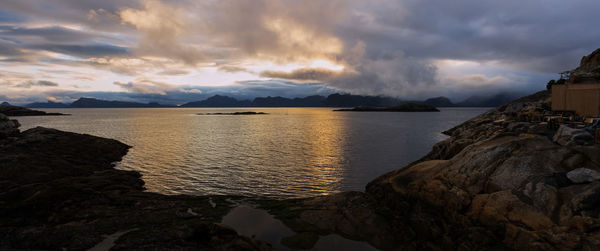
x: 62, y: 191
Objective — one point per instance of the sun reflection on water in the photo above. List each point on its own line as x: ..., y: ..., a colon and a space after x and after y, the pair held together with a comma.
x: 290, y: 152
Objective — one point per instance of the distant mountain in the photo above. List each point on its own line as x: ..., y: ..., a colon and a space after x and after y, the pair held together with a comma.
x: 488, y: 101
x: 48, y: 104
x: 347, y: 100
x: 439, y: 102
x: 5, y: 104
x: 333, y: 100
x: 98, y: 103
x: 218, y: 101
x: 310, y: 101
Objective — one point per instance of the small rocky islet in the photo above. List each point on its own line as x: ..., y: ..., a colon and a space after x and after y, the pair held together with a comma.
x: 234, y: 113
x: 410, y: 107
x: 500, y: 181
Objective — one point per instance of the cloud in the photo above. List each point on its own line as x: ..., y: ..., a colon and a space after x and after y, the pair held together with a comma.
x: 286, y: 30
x: 145, y: 87
x: 85, y: 51
x: 173, y: 72
x: 386, y: 47
x: 29, y: 84
x: 163, y: 28
x: 233, y: 68
x: 48, y: 34
x: 477, y: 81
x: 315, y: 74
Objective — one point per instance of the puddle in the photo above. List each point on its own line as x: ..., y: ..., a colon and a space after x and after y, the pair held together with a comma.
x: 109, y: 241
x: 261, y: 225
x: 336, y: 242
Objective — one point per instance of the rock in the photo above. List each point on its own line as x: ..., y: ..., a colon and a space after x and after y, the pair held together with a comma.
x: 59, y: 190
x: 8, y: 127
x: 10, y: 110
x: 567, y: 136
x: 583, y: 175
x: 588, y: 70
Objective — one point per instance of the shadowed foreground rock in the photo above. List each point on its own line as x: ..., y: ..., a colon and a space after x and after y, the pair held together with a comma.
x: 60, y: 190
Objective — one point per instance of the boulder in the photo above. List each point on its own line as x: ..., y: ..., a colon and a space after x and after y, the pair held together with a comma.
x: 588, y: 70
x: 567, y: 136
x: 8, y: 127
x: 583, y: 175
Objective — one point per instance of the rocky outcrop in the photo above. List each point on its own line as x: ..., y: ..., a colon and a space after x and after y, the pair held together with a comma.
x: 503, y: 174
x: 588, y: 70
x: 12, y: 111
x: 8, y: 127
x: 499, y: 182
x: 566, y: 136
x: 59, y: 190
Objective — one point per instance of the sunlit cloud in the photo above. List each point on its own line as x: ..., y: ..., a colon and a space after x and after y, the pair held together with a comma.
x: 411, y: 49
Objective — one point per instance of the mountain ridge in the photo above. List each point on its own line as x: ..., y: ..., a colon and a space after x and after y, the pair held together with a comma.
x: 332, y: 100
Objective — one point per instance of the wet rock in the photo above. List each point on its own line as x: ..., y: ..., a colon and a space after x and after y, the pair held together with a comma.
x: 583, y: 175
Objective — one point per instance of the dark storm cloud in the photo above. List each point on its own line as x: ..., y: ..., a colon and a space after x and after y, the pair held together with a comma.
x: 318, y: 74
x: 546, y: 36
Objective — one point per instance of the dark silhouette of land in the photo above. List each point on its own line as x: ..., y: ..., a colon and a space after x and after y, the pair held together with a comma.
x: 10, y: 110
x: 410, y: 107
x: 333, y: 100
x: 98, y: 103
x: 234, y: 113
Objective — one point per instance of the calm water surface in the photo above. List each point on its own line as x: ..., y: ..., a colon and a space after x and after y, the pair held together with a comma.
x: 290, y: 152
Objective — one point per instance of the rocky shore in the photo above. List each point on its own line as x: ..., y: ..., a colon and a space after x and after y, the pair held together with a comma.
x: 59, y: 191
x: 499, y: 182
x: 10, y: 110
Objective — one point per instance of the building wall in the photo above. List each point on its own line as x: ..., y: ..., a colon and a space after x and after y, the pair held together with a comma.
x: 581, y: 98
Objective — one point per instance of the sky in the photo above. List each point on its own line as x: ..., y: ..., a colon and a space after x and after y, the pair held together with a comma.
x: 184, y: 50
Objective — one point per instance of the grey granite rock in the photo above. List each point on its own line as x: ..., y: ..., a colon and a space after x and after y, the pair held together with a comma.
x: 583, y: 175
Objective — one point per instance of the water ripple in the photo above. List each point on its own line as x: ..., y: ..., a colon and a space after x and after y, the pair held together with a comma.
x: 291, y: 152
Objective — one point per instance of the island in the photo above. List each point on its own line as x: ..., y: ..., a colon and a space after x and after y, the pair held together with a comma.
x: 410, y: 107
x: 234, y: 113
x: 13, y: 111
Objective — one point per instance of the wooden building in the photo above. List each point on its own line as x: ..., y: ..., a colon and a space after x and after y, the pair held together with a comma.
x: 584, y: 99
